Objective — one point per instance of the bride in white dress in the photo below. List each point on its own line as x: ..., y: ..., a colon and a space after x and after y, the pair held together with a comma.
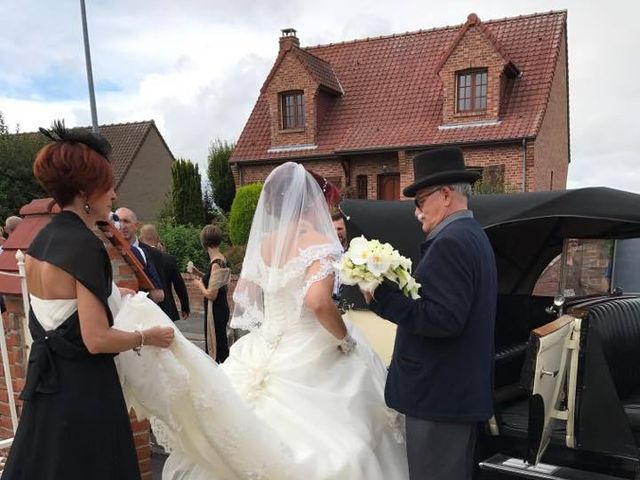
x: 301, y: 395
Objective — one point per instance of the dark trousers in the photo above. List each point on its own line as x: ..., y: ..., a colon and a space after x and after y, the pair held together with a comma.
x: 440, y: 450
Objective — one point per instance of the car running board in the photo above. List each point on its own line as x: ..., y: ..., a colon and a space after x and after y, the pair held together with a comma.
x: 506, y: 465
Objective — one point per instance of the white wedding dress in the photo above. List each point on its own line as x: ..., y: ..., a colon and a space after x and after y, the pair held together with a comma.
x: 286, y: 404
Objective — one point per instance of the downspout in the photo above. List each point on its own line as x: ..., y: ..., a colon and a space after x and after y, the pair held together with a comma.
x: 524, y: 164
x: 240, y: 176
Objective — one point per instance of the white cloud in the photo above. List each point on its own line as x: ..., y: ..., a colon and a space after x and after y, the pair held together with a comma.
x: 196, y: 66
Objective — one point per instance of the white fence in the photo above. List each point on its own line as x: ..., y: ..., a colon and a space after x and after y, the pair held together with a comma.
x: 4, y: 350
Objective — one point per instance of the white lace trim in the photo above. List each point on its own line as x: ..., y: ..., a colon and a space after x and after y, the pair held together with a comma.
x: 249, y: 312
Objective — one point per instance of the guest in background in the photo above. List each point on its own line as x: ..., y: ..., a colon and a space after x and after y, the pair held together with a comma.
x: 213, y: 286
x: 341, y: 228
x: 169, y: 275
x: 150, y: 259
x: 10, y: 224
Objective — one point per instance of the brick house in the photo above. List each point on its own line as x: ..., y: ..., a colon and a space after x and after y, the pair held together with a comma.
x: 141, y: 161
x: 358, y: 111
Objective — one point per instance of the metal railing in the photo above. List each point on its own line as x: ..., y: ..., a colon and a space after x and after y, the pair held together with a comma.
x: 4, y: 351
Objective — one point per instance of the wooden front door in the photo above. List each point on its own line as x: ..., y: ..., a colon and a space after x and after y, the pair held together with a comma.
x: 389, y: 186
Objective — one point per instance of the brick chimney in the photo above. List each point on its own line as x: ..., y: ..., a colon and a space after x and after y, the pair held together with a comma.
x: 288, y: 39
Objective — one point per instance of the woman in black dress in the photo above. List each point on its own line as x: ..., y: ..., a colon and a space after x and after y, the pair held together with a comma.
x: 210, y: 238
x: 74, y: 422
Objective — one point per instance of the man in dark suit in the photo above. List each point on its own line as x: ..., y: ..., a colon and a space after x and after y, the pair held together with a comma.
x: 128, y: 228
x: 441, y: 372
x: 169, y: 273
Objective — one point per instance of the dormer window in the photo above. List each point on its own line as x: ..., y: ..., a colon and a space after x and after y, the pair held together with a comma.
x: 472, y: 91
x: 292, y: 108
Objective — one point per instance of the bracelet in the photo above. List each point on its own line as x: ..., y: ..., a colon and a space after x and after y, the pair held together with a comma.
x: 347, y: 344
x: 139, y: 347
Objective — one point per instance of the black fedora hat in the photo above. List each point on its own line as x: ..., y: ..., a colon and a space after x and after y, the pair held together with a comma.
x: 440, y: 166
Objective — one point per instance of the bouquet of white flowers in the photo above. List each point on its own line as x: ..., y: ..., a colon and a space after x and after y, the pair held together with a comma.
x: 367, y: 263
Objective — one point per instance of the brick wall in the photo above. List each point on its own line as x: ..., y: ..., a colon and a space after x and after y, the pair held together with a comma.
x: 511, y: 155
x: 473, y: 51
x: 551, y: 150
x: 292, y: 75
x: 13, y: 320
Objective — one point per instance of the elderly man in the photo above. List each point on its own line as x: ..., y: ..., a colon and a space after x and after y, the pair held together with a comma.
x: 149, y: 257
x: 441, y: 373
x: 10, y: 224
x: 170, y: 276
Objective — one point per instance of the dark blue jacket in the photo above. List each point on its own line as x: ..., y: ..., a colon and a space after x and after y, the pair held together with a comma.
x: 442, y: 364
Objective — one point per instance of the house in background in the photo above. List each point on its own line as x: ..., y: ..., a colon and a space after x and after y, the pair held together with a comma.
x: 141, y: 163
x: 357, y: 112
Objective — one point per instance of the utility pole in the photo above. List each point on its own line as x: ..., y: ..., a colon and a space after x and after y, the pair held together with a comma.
x: 87, y: 55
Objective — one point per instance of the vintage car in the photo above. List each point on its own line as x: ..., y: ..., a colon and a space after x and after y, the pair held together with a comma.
x: 567, y: 367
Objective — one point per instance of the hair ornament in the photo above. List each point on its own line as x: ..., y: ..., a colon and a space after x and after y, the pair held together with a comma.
x: 95, y: 141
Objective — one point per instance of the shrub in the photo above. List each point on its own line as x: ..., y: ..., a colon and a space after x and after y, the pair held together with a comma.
x: 235, y: 257
x: 242, y: 210
x: 183, y: 242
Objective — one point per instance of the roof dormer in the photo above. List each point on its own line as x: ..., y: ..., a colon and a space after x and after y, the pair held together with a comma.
x: 300, y: 89
x: 475, y: 72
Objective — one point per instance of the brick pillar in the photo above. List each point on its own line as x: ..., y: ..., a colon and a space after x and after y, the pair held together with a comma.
x: 12, y: 320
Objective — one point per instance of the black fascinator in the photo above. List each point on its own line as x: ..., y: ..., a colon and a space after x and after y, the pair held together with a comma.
x: 59, y: 133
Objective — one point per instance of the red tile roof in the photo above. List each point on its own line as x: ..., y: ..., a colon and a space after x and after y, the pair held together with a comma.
x: 321, y: 71
x: 393, y: 95
x: 126, y: 140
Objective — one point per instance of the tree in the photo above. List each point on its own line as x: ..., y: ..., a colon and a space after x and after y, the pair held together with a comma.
x: 219, y: 173
x: 18, y: 186
x: 3, y: 126
x: 242, y: 210
x: 186, y: 193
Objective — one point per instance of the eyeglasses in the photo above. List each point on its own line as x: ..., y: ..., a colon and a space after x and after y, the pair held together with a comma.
x: 420, y: 200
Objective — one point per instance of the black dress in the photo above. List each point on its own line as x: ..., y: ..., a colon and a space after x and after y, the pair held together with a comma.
x: 74, y: 423
x: 220, y: 309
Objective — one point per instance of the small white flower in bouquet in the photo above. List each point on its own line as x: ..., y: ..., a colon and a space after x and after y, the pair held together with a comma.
x: 367, y: 263
x: 190, y: 266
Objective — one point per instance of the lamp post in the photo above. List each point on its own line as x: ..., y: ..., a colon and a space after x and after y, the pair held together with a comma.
x: 87, y: 55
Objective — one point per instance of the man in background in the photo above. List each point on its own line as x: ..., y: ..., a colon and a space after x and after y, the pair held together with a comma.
x: 170, y: 276
x: 148, y: 257
x: 341, y: 229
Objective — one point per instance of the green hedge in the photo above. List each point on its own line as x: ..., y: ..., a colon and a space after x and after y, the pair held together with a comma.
x: 242, y: 210
x: 183, y: 242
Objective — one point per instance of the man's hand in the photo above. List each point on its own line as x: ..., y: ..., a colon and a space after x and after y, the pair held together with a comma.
x: 157, y: 295
x: 185, y: 315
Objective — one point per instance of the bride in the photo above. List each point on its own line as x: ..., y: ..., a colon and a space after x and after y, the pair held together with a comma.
x: 301, y: 395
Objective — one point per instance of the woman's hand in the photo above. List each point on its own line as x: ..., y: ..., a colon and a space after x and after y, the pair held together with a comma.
x: 158, y: 336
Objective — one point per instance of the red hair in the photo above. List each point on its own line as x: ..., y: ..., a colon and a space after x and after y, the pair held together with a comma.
x: 329, y: 190
x: 64, y: 169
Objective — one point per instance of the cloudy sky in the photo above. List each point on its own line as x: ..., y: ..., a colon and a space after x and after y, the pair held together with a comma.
x: 196, y: 66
